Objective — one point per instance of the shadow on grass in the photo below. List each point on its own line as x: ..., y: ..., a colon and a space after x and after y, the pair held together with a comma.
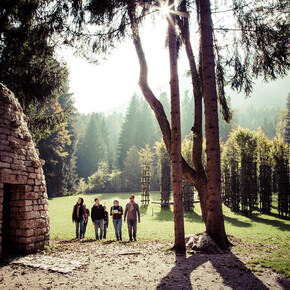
x: 236, y: 222
x: 143, y: 209
x: 275, y: 223
x: 165, y: 214
x: 192, y: 216
x: 233, y: 272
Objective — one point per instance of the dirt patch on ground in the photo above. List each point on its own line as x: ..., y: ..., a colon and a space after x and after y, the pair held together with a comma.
x: 112, y: 265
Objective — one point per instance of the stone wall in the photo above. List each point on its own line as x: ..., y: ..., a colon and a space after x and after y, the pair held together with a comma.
x: 21, y: 172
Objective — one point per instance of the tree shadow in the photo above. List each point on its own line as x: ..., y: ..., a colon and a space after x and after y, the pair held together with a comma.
x: 193, y: 216
x: 230, y: 269
x: 179, y: 276
x: 143, y: 209
x: 276, y: 215
x: 236, y: 222
x: 284, y: 282
x: 275, y: 223
x: 165, y: 214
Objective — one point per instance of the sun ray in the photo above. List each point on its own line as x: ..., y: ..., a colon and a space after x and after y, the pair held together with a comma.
x: 167, y: 11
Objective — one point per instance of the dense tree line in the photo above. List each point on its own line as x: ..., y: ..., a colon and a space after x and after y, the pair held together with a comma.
x: 253, y: 167
x: 29, y: 68
x: 124, y: 141
x: 102, y: 150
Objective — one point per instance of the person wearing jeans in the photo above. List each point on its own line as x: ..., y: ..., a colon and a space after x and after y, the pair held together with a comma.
x: 106, y: 222
x: 131, y: 212
x: 78, y: 217
x: 87, y: 215
x: 98, y: 215
x: 117, y: 212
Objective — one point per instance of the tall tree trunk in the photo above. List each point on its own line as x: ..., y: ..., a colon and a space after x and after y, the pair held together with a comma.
x: 156, y: 106
x: 215, y: 222
x: 176, y: 160
x: 201, y: 187
x: 189, y: 173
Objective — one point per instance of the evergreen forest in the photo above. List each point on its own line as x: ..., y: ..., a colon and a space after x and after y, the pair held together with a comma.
x: 100, y: 153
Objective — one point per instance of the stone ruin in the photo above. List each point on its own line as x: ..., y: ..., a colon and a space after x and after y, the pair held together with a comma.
x: 24, y: 220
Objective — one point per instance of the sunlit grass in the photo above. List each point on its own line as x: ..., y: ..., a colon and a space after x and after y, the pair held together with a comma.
x: 264, y: 236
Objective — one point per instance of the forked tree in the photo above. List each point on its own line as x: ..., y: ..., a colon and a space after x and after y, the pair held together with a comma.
x: 252, y: 57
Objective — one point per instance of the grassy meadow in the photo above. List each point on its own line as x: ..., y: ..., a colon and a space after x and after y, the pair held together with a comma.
x: 265, y: 236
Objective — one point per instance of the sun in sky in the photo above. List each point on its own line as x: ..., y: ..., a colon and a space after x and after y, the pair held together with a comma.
x: 164, y: 8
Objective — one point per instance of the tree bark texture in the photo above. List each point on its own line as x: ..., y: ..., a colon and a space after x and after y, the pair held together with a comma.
x: 201, y: 186
x: 176, y: 159
x: 215, y: 222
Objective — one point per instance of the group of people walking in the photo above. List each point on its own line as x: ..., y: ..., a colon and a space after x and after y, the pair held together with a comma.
x: 100, y: 218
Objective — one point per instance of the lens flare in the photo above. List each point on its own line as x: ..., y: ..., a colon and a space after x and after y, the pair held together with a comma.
x: 164, y: 9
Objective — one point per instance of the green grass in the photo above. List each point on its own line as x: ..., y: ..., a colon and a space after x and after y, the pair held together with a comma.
x: 264, y: 237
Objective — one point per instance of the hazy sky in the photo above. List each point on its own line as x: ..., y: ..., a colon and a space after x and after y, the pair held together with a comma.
x: 111, y: 84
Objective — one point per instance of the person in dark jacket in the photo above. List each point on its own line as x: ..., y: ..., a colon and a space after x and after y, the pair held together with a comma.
x: 106, y: 222
x: 98, y: 215
x: 87, y: 215
x: 78, y: 217
x: 117, y: 212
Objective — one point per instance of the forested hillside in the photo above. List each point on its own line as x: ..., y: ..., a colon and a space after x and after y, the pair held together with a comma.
x: 100, y: 152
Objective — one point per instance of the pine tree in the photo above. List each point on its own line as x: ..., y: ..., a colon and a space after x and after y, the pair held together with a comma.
x: 93, y: 148
x: 128, y: 130
x: 264, y: 172
x: 246, y: 143
x: 230, y: 171
x: 145, y: 129
x: 27, y: 64
x: 281, y: 155
x: 132, y: 170
x: 54, y: 151
x: 69, y: 163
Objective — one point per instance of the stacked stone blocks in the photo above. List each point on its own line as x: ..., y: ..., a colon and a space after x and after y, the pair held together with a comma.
x: 21, y: 170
